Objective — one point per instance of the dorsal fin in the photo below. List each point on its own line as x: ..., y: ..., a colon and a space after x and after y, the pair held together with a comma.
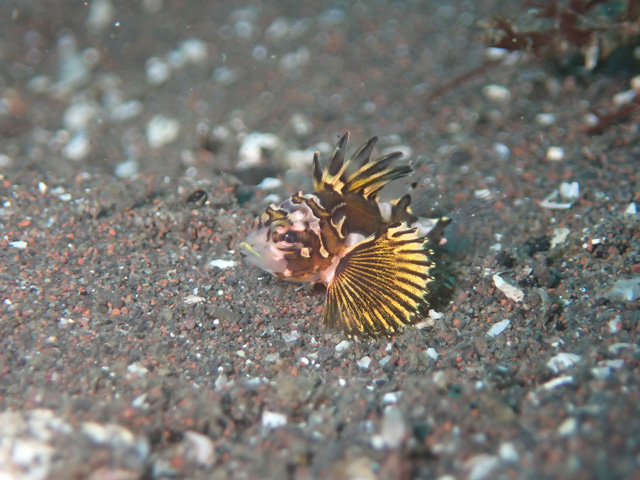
x: 360, y: 174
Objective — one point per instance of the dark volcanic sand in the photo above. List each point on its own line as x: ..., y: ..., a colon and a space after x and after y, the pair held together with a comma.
x: 124, y: 354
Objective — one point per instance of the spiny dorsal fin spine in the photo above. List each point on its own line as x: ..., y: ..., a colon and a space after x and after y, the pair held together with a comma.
x: 369, y: 177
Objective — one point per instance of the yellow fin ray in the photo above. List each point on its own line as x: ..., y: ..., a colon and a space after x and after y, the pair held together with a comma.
x: 380, y: 284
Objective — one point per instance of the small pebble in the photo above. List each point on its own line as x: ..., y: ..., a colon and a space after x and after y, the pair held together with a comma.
x: 390, y: 398
x: 631, y: 210
x: 225, y: 76
x: 126, y: 110
x: 78, y: 147
x: 137, y: 369
x: 78, y: 115
x: 222, y: 381
x: 127, y: 169
x: 19, y: 244
x: 482, y: 466
x: 273, y: 420
x: 5, y: 160
x: 273, y: 357
x: 161, y: 131
x: 624, y: 98
x: 614, y: 325
x: 194, y: 50
x: 300, y: 124
x: 568, y: 427
x: 290, y: 337
x: 393, y: 429
x: 157, y: 71
x: 100, y: 17
x: 545, y: 119
x: 202, y: 448
x: 497, y: 93
x: 502, y: 151
x: 555, y: 154
x: 364, y: 363
x: 625, y: 289
x: 495, y: 53
x: 508, y: 453
x: 342, y: 346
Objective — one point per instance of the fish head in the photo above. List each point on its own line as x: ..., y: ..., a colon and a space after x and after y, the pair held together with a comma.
x: 286, y: 241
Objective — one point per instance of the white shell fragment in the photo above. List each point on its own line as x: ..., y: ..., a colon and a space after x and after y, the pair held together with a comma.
x: 559, y: 236
x: 558, y: 382
x: 511, y: 292
x: 631, y: 210
x: 342, y: 346
x: 269, y: 183
x: 222, y: 264
x: 19, y: 244
x: 497, y: 328
x: 605, y: 368
x: 563, y: 361
x: 273, y: 419
x: 569, y: 191
x: 194, y: 299
x: 432, y: 353
x: 563, y: 197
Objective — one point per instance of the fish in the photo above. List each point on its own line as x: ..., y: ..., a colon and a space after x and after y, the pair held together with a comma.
x: 374, y: 256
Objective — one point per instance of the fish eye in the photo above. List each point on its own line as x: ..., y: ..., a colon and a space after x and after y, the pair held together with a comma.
x: 290, y: 237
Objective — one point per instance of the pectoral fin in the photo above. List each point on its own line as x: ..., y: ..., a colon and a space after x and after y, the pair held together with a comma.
x: 380, y: 284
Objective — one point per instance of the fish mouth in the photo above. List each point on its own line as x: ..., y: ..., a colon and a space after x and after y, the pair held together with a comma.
x: 263, y: 257
x: 247, y: 250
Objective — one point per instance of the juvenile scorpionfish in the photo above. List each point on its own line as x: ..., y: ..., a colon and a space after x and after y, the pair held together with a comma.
x: 373, y: 256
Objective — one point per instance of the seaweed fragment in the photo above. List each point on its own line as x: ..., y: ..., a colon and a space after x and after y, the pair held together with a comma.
x: 557, y: 32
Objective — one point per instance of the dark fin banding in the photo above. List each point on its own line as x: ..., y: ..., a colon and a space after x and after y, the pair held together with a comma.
x: 369, y: 175
x: 337, y: 159
x: 380, y: 285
